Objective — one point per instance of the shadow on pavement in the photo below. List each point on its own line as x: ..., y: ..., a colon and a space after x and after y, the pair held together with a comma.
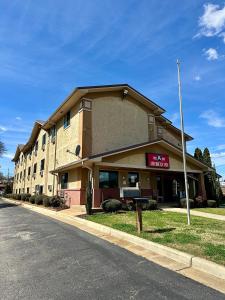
x: 6, y: 205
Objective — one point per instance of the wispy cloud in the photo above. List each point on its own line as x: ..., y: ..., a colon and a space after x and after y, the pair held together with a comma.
x: 197, y: 77
x: 8, y: 155
x: 18, y: 118
x: 213, y: 118
x: 3, y: 129
x: 212, y: 22
x: 174, y: 117
x: 220, y: 147
x: 211, y: 54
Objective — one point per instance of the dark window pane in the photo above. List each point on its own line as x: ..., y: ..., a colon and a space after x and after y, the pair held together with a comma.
x: 64, y: 181
x: 133, y: 178
x: 108, y: 179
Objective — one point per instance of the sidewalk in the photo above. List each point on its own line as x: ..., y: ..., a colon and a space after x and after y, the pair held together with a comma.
x: 195, y: 213
x: 169, y: 258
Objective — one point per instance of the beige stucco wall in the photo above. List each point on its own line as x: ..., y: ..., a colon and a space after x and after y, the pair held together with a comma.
x: 137, y: 158
x: 117, y: 123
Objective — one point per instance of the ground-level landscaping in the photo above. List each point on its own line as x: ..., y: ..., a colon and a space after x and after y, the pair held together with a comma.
x: 204, y: 238
x: 212, y: 210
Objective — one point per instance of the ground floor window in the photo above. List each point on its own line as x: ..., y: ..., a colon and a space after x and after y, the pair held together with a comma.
x: 108, y: 179
x: 64, y: 181
x: 41, y: 188
x: 28, y: 190
x: 133, y: 179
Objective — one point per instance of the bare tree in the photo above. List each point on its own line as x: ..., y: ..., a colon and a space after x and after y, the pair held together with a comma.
x: 2, y: 148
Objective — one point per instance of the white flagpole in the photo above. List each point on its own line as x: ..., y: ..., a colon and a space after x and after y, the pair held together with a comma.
x: 183, y: 145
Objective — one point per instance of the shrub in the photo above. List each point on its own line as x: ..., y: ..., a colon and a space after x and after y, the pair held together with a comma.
x: 25, y: 197
x: 183, y: 203
x: 152, y: 204
x: 211, y: 203
x: 39, y: 199
x: 56, y: 201
x: 17, y: 197
x: 46, y: 201
x: 111, y: 205
x: 32, y: 199
x: 128, y: 206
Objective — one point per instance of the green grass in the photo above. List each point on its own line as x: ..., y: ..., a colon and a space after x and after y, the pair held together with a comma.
x: 204, y: 238
x: 211, y: 210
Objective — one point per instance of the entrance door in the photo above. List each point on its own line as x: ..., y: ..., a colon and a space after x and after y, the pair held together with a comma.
x: 168, y: 189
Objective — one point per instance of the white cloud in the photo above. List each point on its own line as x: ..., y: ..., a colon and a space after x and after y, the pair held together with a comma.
x: 8, y: 155
x: 218, y: 158
x: 211, y: 54
x: 197, y: 77
x: 2, y: 129
x: 18, y: 118
x: 174, y: 117
x: 220, y: 147
x: 213, y: 118
x: 212, y: 22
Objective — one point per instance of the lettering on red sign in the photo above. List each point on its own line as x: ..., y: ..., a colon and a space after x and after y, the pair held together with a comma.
x: 157, y: 160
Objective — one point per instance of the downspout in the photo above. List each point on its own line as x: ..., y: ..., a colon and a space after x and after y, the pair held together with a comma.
x: 53, y: 185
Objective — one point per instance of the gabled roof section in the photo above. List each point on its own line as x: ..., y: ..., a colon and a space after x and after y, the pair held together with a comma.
x: 79, y: 92
x: 158, y: 141
x: 18, y: 151
x: 24, y: 148
x: 35, y: 131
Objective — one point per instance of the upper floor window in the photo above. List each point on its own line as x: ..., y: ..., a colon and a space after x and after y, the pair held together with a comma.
x: 64, y: 181
x: 67, y: 120
x: 36, y: 147
x: 29, y: 171
x: 43, y: 140
x: 42, y: 167
x: 35, y: 168
x: 53, y: 131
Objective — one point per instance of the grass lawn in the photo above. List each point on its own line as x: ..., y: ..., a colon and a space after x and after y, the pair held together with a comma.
x: 204, y: 238
x: 216, y: 211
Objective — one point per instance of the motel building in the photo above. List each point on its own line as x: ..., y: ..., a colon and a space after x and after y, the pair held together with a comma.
x: 114, y: 135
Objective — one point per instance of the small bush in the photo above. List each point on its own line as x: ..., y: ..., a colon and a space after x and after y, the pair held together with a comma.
x: 46, y: 201
x: 111, y: 205
x: 39, y: 199
x: 25, y: 197
x: 128, y: 206
x: 211, y: 203
x: 32, y: 199
x: 152, y: 204
x: 183, y: 203
x: 56, y: 201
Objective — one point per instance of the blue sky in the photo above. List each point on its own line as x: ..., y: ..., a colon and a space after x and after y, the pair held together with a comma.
x: 49, y: 47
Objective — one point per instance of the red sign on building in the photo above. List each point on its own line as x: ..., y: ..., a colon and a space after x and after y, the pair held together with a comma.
x: 156, y: 160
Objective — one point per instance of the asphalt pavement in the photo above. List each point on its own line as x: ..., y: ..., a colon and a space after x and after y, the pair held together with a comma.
x: 42, y: 258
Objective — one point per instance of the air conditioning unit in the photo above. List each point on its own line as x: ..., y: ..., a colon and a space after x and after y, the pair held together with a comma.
x: 41, y: 173
x: 34, y: 175
x: 30, y: 156
x: 43, y: 147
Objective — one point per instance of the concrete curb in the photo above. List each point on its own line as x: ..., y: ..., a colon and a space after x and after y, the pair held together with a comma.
x: 190, y: 261
x: 154, y: 247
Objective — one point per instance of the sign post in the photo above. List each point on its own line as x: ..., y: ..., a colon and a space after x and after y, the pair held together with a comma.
x: 183, y: 145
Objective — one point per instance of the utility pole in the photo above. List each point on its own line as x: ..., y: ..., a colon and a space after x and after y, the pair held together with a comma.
x: 183, y: 145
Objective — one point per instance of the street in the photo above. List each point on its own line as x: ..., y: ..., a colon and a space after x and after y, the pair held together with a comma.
x: 41, y: 258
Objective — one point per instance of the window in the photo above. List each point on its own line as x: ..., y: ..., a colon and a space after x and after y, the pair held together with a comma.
x: 43, y: 140
x: 64, y: 181
x: 133, y: 179
x: 28, y: 190
x: 29, y: 171
x: 42, y: 165
x: 35, y: 168
x: 24, y: 173
x: 41, y: 188
x: 108, y: 179
x: 67, y: 120
x: 21, y: 175
x: 36, y: 147
x: 53, y: 131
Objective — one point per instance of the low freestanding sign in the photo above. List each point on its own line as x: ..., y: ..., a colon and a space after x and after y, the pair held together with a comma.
x: 157, y: 160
